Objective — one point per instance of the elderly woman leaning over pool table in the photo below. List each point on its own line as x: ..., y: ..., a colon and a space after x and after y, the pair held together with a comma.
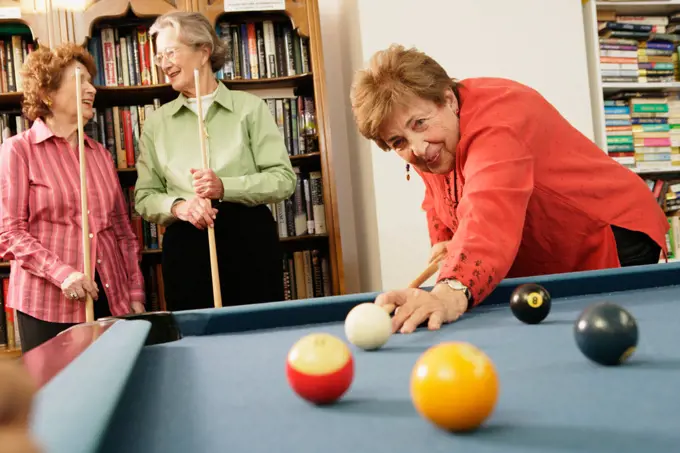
x: 511, y: 187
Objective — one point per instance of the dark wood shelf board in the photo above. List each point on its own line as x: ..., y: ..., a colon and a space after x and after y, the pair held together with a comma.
x: 135, y: 95
x: 296, y: 81
x: 11, y: 100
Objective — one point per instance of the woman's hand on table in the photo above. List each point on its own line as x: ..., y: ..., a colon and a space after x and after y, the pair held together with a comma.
x: 413, y: 306
x: 197, y: 210
x: 77, y: 286
x: 16, y: 399
x: 207, y: 184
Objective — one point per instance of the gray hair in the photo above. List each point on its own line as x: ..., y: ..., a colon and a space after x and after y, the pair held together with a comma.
x: 194, y: 29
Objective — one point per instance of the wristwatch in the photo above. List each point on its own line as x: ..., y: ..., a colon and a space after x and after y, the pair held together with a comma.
x: 458, y: 286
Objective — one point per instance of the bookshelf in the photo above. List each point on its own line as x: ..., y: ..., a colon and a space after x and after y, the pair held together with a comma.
x: 633, y: 52
x: 134, y: 93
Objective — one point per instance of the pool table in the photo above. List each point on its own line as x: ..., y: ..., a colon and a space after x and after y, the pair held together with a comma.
x: 223, y: 388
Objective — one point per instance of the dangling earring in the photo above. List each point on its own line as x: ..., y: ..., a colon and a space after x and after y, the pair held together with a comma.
x: 408, y: 176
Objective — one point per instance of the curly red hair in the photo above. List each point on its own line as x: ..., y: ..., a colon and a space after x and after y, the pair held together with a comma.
x: 43, y: 71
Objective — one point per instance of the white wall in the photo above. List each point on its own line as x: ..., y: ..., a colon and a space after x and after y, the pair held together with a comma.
x: 537, y: 42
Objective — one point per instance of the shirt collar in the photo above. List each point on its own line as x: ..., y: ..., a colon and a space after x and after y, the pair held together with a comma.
x: 223, y: 98
x: 40, y: 132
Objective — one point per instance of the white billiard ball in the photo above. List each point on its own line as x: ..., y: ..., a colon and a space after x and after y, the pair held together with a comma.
x: 368, y: 326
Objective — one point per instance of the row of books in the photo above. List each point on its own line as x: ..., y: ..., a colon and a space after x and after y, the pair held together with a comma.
x: 643, y: 129
x: 124, y: 56
x: 255, y: 50
x: 638, y: 48
x: 667, y: 193
x: 12, y: 123
x: 14, y: 49
x: 119, y: 127
x: 263, y: 49
x: 306, y: 274
x: 303, y: 213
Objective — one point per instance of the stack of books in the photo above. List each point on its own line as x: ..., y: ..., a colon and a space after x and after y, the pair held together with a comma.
x: 638, y: 49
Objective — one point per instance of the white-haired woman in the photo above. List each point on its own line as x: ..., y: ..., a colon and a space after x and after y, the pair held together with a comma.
x: 249, y: 168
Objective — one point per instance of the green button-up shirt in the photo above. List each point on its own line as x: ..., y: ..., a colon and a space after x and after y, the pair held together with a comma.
x: 245, y: 150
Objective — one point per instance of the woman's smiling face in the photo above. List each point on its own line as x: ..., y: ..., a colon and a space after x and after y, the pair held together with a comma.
x: 424, y: 133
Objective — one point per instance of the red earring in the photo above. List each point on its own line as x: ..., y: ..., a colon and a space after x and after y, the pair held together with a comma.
x: 457, y: 110
x: 408, y: 176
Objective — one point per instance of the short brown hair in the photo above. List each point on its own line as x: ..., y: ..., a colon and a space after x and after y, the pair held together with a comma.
x: 43, y: 71
x: 194, y: 29
x: 393, y: 75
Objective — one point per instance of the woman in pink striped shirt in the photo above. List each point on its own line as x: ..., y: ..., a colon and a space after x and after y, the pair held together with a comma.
x: 40, y: 216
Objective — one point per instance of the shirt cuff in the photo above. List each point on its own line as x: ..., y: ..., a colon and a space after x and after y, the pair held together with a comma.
x: 169, y: 203
x: 60, y: 273
x: 232, y: 188
x: 137, y: 295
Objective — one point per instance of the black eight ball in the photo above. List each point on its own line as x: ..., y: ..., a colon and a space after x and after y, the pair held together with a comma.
x: 530, y: 303
x: 606, y: 333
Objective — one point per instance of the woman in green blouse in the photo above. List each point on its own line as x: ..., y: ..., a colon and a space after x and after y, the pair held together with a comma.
x: 249, y: 168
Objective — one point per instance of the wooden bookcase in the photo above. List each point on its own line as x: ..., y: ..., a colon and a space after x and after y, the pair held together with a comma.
x: 55, y: 25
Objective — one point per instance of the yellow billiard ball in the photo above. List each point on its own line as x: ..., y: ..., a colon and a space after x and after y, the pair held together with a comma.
x: 320, y: 368
x: 454, y: 386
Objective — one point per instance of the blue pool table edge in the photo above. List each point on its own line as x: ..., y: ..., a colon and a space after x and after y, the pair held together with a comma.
x: 335, y: 308
x: 71, y: 412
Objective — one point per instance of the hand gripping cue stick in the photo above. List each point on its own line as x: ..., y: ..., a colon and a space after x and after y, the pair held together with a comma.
x: 422, y: 278
x: 202, y: 133
x: 85, y: 224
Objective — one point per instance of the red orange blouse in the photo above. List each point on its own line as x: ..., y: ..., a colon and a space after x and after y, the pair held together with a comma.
x: 40, y: 227
x: 530, y: 194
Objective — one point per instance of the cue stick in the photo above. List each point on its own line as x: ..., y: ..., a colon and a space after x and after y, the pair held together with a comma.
x: 426, y: 274
x: 89, y: 305
x: 202, y: 132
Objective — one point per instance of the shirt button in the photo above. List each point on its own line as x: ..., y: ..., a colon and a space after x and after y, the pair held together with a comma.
x: 91, y: 235
x: 99, y: 261
x: 107, y: 285
x: 88, y: 211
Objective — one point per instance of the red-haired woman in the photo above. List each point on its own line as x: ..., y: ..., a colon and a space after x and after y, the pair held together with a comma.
x: 512, y: 189
x: 40, y: 213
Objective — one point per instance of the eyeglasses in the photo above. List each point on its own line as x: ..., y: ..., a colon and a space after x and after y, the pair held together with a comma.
x: 170, y: 53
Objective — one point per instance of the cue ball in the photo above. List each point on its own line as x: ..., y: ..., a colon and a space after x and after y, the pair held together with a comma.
x: 368, y: 326
x: 454, y: 385
x: 530, y: 303
x: 320, y: 368
x: 606, y: 333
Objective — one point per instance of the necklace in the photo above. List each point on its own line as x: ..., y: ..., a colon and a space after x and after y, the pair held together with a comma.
x: 452, y: 199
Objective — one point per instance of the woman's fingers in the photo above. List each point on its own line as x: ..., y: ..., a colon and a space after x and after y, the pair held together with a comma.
x: 91, y: 288
x: 79, y: 291
x: 418, y: 316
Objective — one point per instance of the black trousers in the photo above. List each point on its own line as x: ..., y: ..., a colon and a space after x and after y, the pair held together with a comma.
x: 635, y: 248
x: 34, y: 331
x: 249, y: 257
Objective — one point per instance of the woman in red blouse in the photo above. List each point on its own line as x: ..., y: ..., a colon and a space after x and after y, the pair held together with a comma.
x: 40, y: 208
x: 512, y: 189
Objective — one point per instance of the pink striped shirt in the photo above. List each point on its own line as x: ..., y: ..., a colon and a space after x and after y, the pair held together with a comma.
x: 40, y: 227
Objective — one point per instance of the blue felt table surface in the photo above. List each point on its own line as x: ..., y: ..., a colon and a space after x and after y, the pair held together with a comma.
x: 228, y: 392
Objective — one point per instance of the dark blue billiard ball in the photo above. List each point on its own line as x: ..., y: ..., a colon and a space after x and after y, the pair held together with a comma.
x: 606, y: 333
x: 530, y: 303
